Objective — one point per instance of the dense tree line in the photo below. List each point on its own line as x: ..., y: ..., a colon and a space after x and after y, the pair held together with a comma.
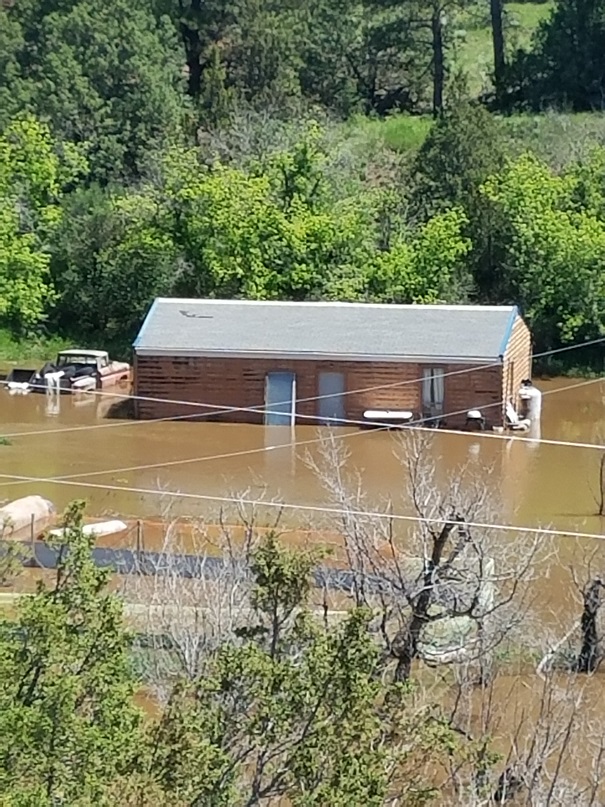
x: 174, y: 148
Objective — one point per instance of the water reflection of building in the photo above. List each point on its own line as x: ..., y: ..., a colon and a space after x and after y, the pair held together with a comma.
x: 279, y: 456
x: 519, y: 458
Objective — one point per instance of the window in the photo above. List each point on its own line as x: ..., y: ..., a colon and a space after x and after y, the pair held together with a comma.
x: 433, y: 391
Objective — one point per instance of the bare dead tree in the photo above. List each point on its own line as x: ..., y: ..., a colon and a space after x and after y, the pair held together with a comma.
x: 550, y: 740
x: 589, y: 655
x: 193, y: 594
x: 439, y: 578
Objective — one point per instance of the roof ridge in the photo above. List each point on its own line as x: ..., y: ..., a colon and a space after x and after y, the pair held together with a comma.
x: 334, y: 304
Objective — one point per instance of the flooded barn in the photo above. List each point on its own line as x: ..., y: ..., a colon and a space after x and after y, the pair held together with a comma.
x: 283, y: 363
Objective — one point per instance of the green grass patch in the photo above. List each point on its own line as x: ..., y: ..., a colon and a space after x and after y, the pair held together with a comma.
x: 401, y: 133
x: 32, y: 350
x: 555, y: 137
x: 405, y: 133
x: 525, y: 18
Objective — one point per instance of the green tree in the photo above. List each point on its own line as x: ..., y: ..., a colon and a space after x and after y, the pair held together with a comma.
x: 283, y: 229
x: 564, y: 66
x: 68, y: 727
x: 295, y: 708
x: 368, y: 55
x: 216, y: 99
x: 29, y: 191
x: 266, y: 54
x: 463, y: 148
x: 256, y: 42
x: 106, y: 77
x: 427, y: 266
x: 274, y: 231
x: 554, y: 249
x: 113, y: 253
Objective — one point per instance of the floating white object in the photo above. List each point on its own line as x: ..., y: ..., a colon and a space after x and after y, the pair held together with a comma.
x: 516, y: 423
x: 18, y: 387
x: 20, y: 518
x: 85, y: 383
x: 53, y: 381
x: 99, y: 530
x: 388, y: 414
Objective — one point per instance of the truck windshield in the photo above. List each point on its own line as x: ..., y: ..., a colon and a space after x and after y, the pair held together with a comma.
x: 63, y: 360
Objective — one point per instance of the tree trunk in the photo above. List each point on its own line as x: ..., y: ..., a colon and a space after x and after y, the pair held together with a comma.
x: 192, y: 43
x: 496, y: 12
x: 438, y: 60
x: 509, y: 785
x: 589, y: 652
x: 407, y: 650
x: 405, y: 644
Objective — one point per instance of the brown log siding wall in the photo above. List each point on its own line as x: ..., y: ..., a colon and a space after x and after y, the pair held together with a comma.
x: 517, y: 362
x: 225, y: 383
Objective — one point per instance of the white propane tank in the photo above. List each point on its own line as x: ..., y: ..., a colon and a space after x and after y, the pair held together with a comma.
x: 532, y: 401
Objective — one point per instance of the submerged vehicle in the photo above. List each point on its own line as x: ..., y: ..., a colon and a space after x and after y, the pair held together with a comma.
x: 74, y: 371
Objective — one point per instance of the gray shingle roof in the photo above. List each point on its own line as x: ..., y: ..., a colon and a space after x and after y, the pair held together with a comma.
x: 341, y: 330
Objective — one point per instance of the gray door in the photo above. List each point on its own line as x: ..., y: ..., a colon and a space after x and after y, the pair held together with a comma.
x: 331, y: 397
x: 280, y: 399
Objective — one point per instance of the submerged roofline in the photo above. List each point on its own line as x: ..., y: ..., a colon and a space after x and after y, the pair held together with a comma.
x: 192, y: 353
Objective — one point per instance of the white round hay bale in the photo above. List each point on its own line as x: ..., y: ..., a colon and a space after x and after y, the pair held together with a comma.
x: 17, y: 518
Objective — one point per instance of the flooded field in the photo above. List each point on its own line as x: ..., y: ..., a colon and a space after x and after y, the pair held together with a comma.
x: 98, y: 459
x: 148, y: 470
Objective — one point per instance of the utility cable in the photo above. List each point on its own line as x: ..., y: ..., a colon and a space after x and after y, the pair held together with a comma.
x: 218, y: 409
x: 294, y: 444
x: 299, y: 443
x: 261, y: 408
x: 311, y: 508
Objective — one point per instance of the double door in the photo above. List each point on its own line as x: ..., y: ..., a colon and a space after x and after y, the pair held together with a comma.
x: 280, y: 398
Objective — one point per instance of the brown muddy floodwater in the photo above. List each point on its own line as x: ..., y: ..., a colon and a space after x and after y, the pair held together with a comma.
x: 533, y: 484
x: 530, y: 483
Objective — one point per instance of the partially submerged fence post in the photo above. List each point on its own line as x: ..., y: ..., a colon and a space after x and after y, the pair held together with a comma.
x: 139, y: 536
x: 600, y: 499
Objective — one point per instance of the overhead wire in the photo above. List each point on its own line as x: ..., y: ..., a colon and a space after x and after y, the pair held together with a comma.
x: 296, y: 444
x: 541, y: 531
x: 217, y: 410
x: 299, y: 443
x: 380, y: 427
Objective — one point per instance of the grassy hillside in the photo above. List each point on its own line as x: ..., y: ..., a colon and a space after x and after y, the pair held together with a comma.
x: 558, y: 138
x: 473, y: 39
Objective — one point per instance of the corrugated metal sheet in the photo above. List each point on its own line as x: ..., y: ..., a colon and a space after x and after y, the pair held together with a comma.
x: 315, y: 330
